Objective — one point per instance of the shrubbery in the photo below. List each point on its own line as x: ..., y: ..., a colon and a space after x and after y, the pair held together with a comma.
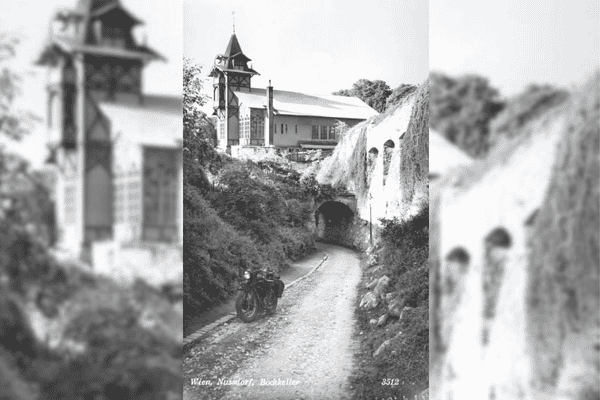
x: 403, y: 258
x: 405, y: 253
x: 253, y: 217
x: 118, y: 355
x: 237, y: 214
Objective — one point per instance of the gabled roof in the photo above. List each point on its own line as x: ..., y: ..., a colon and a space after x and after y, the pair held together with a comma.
x: 301, y: 104
x: 444, y: 155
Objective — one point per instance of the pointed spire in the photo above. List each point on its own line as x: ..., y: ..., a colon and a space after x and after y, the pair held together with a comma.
x: 233, y: 47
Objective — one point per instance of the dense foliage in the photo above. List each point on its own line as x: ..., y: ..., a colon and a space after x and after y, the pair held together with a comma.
x: 112, y: 341
x: 399, y: 94
x: 405, y: 252
x: 414, y: 148
x: 563, y: 291
x: 470, y: 113
x: 461, y: 108
x: 404, y: 257
x: 534, y: 101
x: 374, y: 93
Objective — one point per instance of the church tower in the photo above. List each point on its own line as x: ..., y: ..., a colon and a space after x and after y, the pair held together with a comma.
x: 230, y: 73
x: 92, y: 57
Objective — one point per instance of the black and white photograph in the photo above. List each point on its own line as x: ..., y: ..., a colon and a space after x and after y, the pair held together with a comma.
x: 91, y: 180
x: 514, y: 174
x: 306, y: 200
x: 227, y: 199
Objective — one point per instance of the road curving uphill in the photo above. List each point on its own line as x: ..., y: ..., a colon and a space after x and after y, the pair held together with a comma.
x: 305, y: 350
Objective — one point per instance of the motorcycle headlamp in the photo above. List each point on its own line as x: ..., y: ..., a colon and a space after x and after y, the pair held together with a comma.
x: 246, y: 274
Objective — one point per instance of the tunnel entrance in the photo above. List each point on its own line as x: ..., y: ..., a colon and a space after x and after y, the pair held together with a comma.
x: 334, y: 222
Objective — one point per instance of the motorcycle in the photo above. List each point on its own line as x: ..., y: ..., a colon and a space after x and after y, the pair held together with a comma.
x: 259, y: 291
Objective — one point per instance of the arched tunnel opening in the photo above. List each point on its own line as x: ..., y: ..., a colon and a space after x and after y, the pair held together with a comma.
x: 334, y: 222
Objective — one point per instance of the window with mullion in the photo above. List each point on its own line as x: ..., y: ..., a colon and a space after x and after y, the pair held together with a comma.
x: 324, y: 132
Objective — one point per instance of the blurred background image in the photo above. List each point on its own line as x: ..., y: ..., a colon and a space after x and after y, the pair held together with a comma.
x: 91, y: 206
x: 514, y: 178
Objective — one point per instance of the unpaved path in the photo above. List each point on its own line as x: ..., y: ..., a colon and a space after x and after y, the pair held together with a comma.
x: 306, y: 349
x: 297, y: 270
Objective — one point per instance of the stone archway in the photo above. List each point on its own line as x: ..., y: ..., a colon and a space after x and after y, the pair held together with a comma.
x: 334, y: 221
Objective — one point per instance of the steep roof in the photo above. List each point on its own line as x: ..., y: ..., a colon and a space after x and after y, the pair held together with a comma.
x: 444, y: 155
x: 301, y: 104
x: 87, y: 11
x: 233, y: 48
x: 225, y: 62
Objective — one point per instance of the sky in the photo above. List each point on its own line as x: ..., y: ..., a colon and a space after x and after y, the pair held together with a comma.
x: 516, y: 42
x: 29, y: 21
x: 314, y: 47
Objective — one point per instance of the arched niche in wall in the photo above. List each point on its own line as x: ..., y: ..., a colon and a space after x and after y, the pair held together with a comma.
x: 371, y: 162
x: 457, y: 264
x: 388, y: 149
x: 497, y: 243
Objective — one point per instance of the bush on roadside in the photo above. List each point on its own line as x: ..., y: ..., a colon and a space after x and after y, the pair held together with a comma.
x: 403, y: 257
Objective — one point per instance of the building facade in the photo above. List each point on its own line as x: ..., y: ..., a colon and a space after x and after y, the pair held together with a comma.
x: 118, y: 151
x: 250, y: 116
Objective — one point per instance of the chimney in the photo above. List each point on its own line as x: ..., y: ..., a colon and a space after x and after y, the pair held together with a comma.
x: 269, y: 117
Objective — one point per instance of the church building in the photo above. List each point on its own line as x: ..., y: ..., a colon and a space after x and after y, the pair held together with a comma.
x: 287, y: 120
x: 118, y: 150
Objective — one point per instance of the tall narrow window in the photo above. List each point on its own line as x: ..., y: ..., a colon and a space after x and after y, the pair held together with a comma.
x: 332, y: 131
x: 274, y: 128
x: 160, y: 194
x: 285, y: 128
x: 296, y: 129
x: 388, y: 151
x: 282, y: 129
x: 497, y: 244
x: 315, y: 132
x: 323, y: 132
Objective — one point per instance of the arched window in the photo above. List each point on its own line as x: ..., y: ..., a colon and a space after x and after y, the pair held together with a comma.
x: 497, y: 243
x: 457, y: 262
x: 372, y: 161
x: 388, y: 149
x: 389, y: 144
x: 451, y: 280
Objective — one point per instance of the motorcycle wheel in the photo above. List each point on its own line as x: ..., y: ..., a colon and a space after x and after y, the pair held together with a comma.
x: 246, y: 306
x: 271, y: 302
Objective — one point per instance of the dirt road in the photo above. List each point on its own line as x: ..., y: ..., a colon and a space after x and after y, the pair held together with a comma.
x: 304, y: 351
x: 297, y: 270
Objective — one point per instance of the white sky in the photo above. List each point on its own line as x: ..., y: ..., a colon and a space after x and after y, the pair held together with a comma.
x: 516, y: 42
x: 319, y: 46
x: 29, y: 21
x: 314, y: 46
